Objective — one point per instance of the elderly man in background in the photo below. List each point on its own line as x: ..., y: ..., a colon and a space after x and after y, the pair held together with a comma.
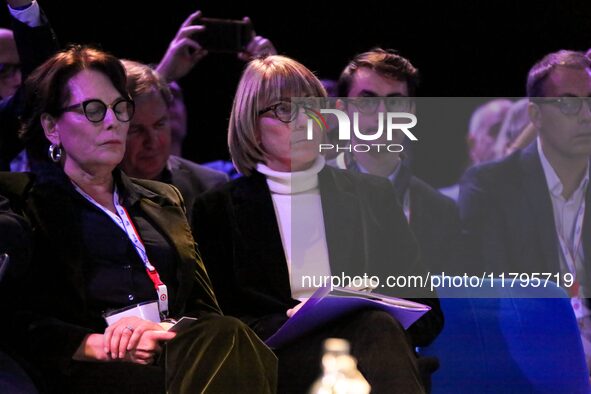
x: 148, y: 146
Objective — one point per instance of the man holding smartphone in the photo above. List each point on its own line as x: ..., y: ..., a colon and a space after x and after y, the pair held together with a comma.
x: 190, y: 44
x: 193, y: 42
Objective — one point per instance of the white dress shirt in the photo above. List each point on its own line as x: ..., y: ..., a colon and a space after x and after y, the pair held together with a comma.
x: 565, y: 218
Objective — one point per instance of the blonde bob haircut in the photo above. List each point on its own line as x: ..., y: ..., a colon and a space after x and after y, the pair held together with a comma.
x: 264, y: 82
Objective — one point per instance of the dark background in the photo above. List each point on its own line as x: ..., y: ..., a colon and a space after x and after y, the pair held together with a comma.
x: 462, y: 48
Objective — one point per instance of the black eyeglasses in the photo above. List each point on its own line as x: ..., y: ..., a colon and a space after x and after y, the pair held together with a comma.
x: 8, y: 69
x: 287, y: 111
x: 95, y: 110
x: 370, y: 104
x: 566, y: 105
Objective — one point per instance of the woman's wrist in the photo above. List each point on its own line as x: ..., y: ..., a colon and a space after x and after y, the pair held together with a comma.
x: 91, y: 349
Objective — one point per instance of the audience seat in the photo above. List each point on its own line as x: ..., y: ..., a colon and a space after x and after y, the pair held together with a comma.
x: 508, y: 342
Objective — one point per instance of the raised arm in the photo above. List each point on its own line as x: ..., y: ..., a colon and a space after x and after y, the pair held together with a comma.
x: 183, y: 52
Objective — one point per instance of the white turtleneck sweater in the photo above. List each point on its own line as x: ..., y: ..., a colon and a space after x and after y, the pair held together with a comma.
x: 298, y: 208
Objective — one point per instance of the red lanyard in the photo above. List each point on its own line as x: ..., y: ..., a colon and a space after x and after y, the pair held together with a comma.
x: 123, y: 220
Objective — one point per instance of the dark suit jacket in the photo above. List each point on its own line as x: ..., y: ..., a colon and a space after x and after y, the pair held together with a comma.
x: 507, y: 216
x: 35, y: 45
x: 14, y: 238
x: 237, y: 232
x: 53, y: 316
x: 191, y: 179
x: 434, y: 220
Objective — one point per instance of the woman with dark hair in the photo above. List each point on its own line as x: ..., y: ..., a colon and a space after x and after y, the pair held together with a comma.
x: 103, y: 243
x: 291, y: 216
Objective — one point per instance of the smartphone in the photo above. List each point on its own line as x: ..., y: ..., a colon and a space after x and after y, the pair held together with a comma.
x: 224, y: 35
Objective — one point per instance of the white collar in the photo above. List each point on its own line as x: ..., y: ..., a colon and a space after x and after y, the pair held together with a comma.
x: 552, y: 180
x: 292, y: 182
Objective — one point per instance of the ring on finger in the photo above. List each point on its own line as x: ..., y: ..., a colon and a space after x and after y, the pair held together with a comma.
x: 130, y: 328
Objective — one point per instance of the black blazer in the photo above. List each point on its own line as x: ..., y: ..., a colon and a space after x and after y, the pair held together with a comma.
x: 507, y: 216
x: 53, y: 315
x: 238, y: 235
x: 15, y: 239
x: 191, y: 179
x: 435, y: 221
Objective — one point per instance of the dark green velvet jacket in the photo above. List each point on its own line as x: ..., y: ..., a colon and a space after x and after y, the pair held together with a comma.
x: 51, y: 317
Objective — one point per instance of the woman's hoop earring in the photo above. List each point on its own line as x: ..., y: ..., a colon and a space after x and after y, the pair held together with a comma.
x: 55, y: 153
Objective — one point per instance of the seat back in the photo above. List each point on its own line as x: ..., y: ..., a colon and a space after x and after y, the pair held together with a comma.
x: 508, y: 343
